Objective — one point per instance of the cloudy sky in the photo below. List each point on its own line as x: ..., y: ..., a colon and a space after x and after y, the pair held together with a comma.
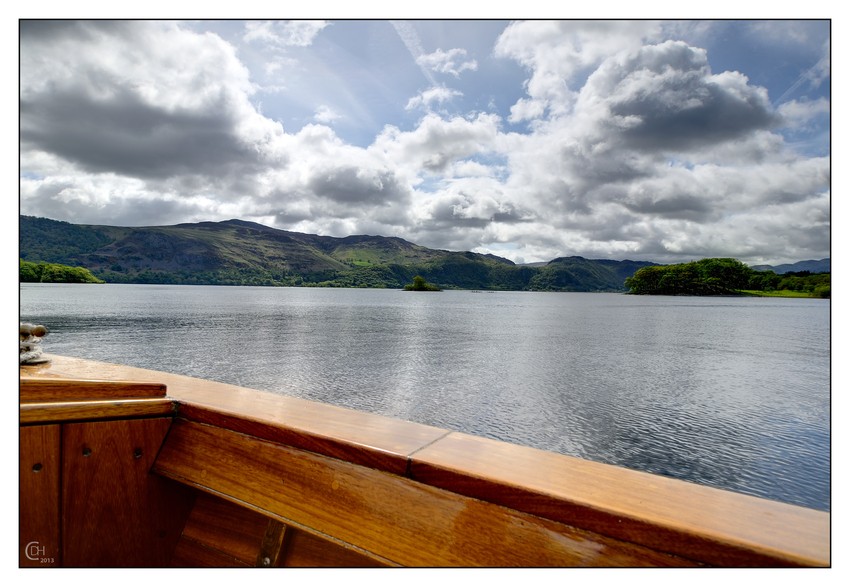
x: 664, y: 141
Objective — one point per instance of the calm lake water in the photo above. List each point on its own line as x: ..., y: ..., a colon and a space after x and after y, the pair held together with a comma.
x: 731, y: 393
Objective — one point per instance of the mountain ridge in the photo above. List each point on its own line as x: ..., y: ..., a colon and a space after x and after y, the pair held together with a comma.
x: 240, y: 252
x: 812, y: 266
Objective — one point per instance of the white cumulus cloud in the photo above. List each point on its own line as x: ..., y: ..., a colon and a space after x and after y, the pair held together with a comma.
x: 426, y: 98
x: 325, y: 113
x: 299, y: 33
x: 445, y: 62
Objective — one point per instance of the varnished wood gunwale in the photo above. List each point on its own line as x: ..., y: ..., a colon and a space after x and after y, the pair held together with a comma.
x: 393, y: 517
x: 731, y: 530
x: 47, y: 389
x: 371, y: 440
x: 693, y: 521
x: 392, y: 459
x: 39, y: 413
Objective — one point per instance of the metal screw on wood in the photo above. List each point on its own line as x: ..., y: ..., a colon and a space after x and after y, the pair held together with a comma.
x: 137, y: 453
x: 267, y: 561
x: 36, y: 468
x: 86, y: 452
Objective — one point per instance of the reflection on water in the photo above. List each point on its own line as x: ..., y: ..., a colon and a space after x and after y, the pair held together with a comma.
x: 727, y: 392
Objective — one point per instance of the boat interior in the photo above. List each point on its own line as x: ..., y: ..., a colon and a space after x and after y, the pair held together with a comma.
x: 128, y: 467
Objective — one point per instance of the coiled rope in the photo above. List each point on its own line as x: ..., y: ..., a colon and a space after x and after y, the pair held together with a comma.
x: 31, y: 335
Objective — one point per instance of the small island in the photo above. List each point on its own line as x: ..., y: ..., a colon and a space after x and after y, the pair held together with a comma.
x: 419, y: 284
x: 55, y: 273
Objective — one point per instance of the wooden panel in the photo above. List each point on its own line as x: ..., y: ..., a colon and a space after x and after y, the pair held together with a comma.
x: 39, y: 496
x: 192, y: 554
x: 367, y: 439
x: 395, y: 518
x: 45, y: 389
x: 302, y: 549
x: 32, y: 413
x: 702, y: 523
x: 114, y: 512
x: 226, y: 527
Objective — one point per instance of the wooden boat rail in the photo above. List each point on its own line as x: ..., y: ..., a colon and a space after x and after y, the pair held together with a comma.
x: 211, y: 474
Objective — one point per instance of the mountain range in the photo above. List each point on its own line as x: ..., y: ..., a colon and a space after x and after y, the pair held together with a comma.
x: 821, y: 266
x: 237, y: 252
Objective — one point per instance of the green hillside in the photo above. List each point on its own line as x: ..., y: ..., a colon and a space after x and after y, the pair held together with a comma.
x: 236, y: 252
x: 52, y: 241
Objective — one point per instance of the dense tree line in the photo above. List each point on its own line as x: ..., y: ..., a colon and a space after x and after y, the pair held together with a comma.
x: 721, y: 277
x: 817, y: 284
x: 54, y: 273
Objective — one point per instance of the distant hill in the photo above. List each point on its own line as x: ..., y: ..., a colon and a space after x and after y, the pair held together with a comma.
x: 821, y: 266
x: 246, y: 253
x: 580, y: 274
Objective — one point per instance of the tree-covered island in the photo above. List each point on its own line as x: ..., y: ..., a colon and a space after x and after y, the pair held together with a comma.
x: 55, y: 273
x: 712, y: 277
x: 419, y: 284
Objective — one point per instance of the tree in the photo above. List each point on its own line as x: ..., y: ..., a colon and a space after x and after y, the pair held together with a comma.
x: 419, y: 284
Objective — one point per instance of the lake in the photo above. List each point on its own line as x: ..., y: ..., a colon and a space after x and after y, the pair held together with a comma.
x: 729, y: 392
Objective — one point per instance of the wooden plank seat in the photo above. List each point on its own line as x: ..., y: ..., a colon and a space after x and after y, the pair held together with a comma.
x: 321, y: 485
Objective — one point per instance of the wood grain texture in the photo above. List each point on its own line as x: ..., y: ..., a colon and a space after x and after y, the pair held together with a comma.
x: 395, y: 518
x: 39, y: 475
x: 191, y: 554
x: 48, y: 389
x: 226, y: 527
x: 693, y: 521
x: 44, y: 370
x: 114, y: 512
x: 44, y: 412
x: 367, y: 439
x: 302, y: 549
x: 357, y: 437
